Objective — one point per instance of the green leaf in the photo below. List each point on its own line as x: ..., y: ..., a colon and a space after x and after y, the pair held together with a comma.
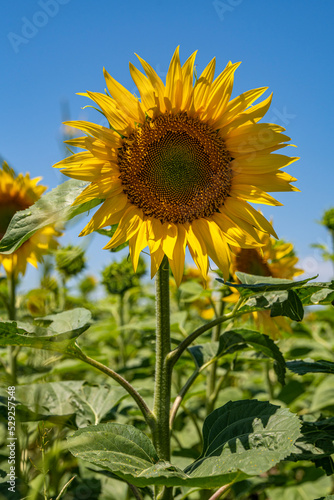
x: 246, y: 436
x: 312, y: 484
x: 316, y: 444
x: 302, y: 367
x: 251, y: 436
x: 89, y: 404
x: 317, y: 293
x: 292, y: 307
x: 237, y: 339
x: 53, y: 208
x: 251, y: 284
x: 60, y: 335
x: 324, y: 395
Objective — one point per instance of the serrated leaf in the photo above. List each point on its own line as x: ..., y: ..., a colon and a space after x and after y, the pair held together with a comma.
x: 237, y: 339
x: 251, y: 436
x: 251, y: 284
x: 316, y: 441
x: 302, y: 367
x: 53, y: 207
x: 69, y: 324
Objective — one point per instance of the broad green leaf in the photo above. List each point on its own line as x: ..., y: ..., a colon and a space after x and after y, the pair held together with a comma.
x: 88, y: 404
x: 127, y: 452
x: 302, y: 367
x: 246, y: 436
x: 69, y: 324
x: 55, y: 207
x: 251, y: 284
x: 251, y: 436
x: 237, y: 339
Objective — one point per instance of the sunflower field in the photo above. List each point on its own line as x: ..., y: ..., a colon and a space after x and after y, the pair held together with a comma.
x: 199, y: 364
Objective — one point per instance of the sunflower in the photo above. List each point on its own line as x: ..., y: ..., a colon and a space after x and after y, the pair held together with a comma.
x: 274, y: 258
x: 179, y: 164
x: 18, y: 193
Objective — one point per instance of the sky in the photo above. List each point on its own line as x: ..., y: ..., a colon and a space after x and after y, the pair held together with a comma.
x: 52, y: 49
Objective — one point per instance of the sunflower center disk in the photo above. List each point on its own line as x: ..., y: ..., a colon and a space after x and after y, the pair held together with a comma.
x: 176, y: 169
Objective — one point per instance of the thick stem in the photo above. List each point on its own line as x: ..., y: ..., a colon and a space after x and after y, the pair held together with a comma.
x: 162, y: 389
x: 163, y: 371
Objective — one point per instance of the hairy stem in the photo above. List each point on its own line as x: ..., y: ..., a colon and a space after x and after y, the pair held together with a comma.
x: 163, y: 372
x: 148, y: 415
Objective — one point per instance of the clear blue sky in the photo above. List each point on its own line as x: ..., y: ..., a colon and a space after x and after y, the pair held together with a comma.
x: 51, y: 49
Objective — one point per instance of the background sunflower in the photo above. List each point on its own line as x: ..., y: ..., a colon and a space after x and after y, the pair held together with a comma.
x: 18, y: 192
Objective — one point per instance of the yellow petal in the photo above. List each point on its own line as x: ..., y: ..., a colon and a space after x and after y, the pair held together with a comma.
x: 198, y: 251
x: 137, y: 243
x: 104, y: 134
x: 238, y: 105
x: 254, y: 137
x: 156, y: 259
x: 256, y: 163
x: 248, y: 117
x: 267, y: 182
x: 125, y: 100
x: 188, y: 81
x: 169, y: 239
x: 102, y: 189
x: 177, y: 262
x: 253, y: 194
x: 120, y: 123
x: 109, y: 213
x: 128, y: 226
x: 202, y: 86
x: 173, y: 91
x: 155, y: 82
x: 155, y: 234
x: 243, y: 210
x: 220, y: 94
x: 146, y: 90
x: 215, y: 243
x: 233, y: 234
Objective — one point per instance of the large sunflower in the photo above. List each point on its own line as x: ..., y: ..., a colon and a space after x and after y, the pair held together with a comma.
x: 18, y: 193
x: 178, y: 166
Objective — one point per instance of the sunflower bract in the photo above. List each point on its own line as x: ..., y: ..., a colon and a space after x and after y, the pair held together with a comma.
x: 179, y: 165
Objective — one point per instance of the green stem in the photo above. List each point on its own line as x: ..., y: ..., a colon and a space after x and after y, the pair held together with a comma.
x: 163, y: 371
x: 212, y: 375
x: 148, y: 415
x: 12, y: 350
x: 121, y: 336
x: 174, y: 356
